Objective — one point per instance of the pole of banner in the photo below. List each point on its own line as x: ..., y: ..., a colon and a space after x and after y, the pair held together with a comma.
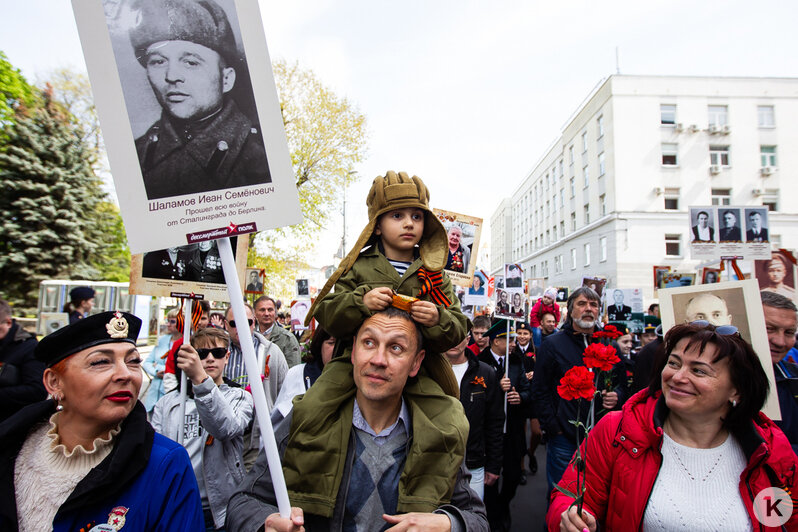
x: 506, y: 365
x: 183, y: 378
x: 254, y: 372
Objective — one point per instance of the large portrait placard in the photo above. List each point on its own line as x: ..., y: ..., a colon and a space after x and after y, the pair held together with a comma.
x: 462, y: 233
x: 727, y: 303
x: 194, y: 269
x: 777, y: 274
x: 718, y: 231
x: 510, y: 298
x: 190, y: 117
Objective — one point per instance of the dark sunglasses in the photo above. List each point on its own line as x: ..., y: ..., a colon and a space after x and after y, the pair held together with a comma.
x: 217, y: 352
x: 172, y: 320
x: 233, y: 323
x: 723, y: 330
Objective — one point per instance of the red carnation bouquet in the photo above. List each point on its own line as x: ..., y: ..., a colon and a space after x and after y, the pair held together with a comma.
x: 582, y: 383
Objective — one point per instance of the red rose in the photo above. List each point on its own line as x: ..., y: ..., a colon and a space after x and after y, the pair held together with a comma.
x: 577, y: 383
x: 610, y: 331
x: 600, y: 356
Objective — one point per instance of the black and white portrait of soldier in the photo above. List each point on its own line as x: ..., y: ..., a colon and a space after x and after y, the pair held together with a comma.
x: 171, y: 263
x: 618, y: 311
x: 702, y: 229
x: 254, y: 284
x: 755, y: 225
x: 203, y: 141
x: 730, y: 230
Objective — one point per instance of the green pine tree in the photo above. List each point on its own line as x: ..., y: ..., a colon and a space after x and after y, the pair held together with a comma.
x: 56, y: 222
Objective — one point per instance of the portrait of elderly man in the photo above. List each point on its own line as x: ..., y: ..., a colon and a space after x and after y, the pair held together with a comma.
x: 730, y: 232
x: 202, y: 141
x: 708, y: 307
x: 776, y: 275
x: 459, y: 255
x: 702, y: 232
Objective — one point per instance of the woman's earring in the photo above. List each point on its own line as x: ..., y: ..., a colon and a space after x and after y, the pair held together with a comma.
x: 734, y: 403
x: 58, y: 406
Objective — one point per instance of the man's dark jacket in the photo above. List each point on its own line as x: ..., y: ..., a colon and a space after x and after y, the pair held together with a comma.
x: 559, y: 353
x: 786, y: 374
x: 20, y: 374
x: 483, y: 402
x: 516, y: 414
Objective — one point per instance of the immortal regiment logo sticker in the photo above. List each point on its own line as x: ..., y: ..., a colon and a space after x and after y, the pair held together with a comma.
x: 773, y: 507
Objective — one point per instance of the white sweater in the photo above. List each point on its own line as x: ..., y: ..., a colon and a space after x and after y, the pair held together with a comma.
x: 697, y: 490
x: 45, y: 474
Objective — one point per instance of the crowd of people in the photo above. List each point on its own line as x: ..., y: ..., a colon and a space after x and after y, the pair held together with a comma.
x: 401, y: 414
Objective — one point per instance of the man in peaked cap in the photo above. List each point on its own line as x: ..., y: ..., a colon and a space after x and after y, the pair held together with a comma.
x: 202, y: 142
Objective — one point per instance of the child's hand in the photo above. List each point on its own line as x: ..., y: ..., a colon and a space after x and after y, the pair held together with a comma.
x: 378, y: 298
x: 425, y: 313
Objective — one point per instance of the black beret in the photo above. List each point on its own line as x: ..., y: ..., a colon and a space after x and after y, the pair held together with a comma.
x: 81, y: 293
x: 102, y: 328
x: 524, y: 326
x: 199, y: 21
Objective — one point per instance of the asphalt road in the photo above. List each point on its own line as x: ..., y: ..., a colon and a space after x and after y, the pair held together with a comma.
x: 528, y: 508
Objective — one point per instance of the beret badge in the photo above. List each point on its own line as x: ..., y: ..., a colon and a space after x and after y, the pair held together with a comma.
x: 118, y: 326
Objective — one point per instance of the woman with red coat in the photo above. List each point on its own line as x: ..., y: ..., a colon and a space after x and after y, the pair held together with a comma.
x: 692, y: 451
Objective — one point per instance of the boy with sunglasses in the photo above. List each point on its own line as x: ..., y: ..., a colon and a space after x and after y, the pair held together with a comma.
x: 215, y: 420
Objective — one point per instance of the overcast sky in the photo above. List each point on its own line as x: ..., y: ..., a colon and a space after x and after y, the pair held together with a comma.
x: 465, y: 94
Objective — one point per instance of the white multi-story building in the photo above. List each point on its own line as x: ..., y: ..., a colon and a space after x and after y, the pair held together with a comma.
x: 610, y: 197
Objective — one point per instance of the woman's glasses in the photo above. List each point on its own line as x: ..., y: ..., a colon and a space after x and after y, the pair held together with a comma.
x: 217, y: 352
x: 723, y: 330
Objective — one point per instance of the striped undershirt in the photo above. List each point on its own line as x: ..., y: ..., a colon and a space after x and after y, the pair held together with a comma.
x: 400, y: 266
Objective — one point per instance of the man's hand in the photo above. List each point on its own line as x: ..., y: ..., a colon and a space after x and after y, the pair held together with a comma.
x: 378, y: 298
x: 425, y: 313
x: 159, y: 374
x: 505, y: 384
x: 609, y: 400
x: 529, y: 375
x: 188, y: 361
x: 275, y: 523
x: 513, y: 397
x: 418, y: 522
x: 571, y: 522
x: 490, y: 479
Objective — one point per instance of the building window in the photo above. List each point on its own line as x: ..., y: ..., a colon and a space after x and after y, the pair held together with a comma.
x: 718, y: 115
x: 587, y: 254
x: 671, y: 203
x: 587, y: 176
x: 573, y: 222
x: 602, y: 167
x: 560, y: 168
x: 721, y: 196
x: 548, y: 237
x: 766, y: 116
x: 603, y: 248
x: 587, y: 214
x: 562, y: 229
x: 571, y: 154
x: 600, y: 126
x: 719, y: 155
x: 584, y: 142
x: 544, y: 268
x: 562, y: 197
x: 572, y: 184
x: 603, y: 204
x: 767, y: 155
x: 534, y: 270
x: 771, y: 201
x: 667, y: 114
x: 669, y: 154
x: 558, y: 264
x: 573, y: 258
x: 673, y: 245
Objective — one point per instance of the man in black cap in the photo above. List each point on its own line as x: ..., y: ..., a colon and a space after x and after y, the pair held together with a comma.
x: 516, y: 386
x: 202, y: 142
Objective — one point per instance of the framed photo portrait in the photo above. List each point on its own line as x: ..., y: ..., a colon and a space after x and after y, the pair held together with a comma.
x: 511, y: 300
x: 462, y: 234
x: 659, y: 273
x: 702, y: 228
x: 299, y: 309
x: 302, y: 287
x: 777, y: 274
x: 596, y: 283
x: 190, y: 116
x: 710, y: 275
x: 675, y: 280
x: 193, y: 268
x: 734, y: 303
x: 254, y: 281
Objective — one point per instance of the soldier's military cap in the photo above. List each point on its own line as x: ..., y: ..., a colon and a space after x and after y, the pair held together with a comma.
x: 98, y: 329
x: 199, y: 21
x: 651, y: 323
x: 523, y: 326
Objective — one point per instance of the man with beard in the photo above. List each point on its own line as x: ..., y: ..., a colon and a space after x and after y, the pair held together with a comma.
x: 559, y: 353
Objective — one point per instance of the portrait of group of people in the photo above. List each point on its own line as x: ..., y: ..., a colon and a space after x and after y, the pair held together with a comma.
x: 720, y: 230
x: 510, y: 298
